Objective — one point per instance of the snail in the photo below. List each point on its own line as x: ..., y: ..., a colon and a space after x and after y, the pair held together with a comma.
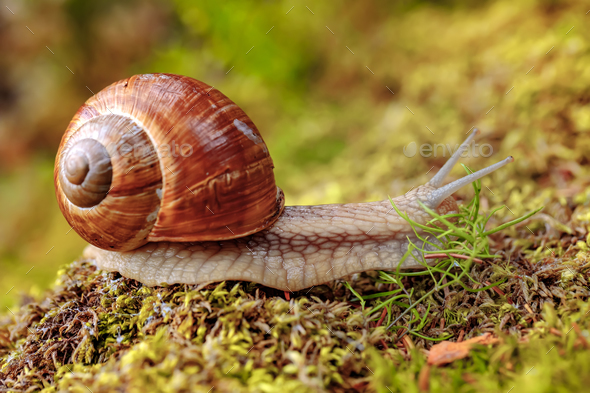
x: 170, y: 182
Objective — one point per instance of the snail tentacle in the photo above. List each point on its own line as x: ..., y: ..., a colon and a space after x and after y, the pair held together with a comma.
x: 438, y: 179
x: 441, y: 193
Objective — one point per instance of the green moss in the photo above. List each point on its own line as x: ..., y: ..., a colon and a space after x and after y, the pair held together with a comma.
x: 103, y: 332
x: 554, y: 357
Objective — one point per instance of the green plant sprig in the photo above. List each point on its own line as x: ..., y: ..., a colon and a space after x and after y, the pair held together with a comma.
x: 458, y: 234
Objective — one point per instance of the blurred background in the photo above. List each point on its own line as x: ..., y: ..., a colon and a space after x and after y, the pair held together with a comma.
x: 337, y: 89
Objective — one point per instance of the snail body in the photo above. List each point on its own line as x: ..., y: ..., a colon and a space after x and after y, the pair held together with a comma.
x: 198, y: 219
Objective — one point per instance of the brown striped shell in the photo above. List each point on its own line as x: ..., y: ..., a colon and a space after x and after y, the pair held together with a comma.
x: 162, y: 157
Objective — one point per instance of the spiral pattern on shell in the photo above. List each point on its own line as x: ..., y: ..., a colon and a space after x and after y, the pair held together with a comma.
x: 162, y: 157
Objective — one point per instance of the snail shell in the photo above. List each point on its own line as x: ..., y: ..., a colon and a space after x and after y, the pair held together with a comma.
x: 162, y: 157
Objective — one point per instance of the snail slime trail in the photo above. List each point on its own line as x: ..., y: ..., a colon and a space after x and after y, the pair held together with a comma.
x: 217, y: 214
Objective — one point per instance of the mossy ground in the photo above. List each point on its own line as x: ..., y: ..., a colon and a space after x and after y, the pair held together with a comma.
x: 99, y: 331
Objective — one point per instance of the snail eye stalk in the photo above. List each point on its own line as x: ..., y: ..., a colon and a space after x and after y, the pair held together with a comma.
x: 445, y: 191
x: 438, y: 179
x: 442, y: 192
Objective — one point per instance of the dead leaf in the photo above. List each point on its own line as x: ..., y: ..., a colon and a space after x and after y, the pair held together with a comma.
x: 448, y: 351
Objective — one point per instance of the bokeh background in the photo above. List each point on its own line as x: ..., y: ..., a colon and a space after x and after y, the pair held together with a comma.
x: 337, y: 89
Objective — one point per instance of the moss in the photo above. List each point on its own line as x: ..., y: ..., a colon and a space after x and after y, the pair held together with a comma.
x: 552, y: 358
x: 99, y: 331
x: 104, y: 332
